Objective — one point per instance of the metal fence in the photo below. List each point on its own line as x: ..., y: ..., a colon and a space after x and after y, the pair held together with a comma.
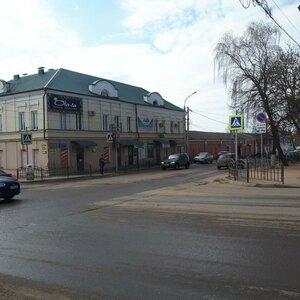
x: 52, y: 171
x: 257, y: 169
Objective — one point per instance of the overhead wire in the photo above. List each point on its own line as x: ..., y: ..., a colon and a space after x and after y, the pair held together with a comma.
x: 286, y: 16
x: 264, y: 5
x: 208, y: 117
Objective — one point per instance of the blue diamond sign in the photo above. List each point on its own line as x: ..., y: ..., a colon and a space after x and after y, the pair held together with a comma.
x: 236, y: 122
x: 26, y: 138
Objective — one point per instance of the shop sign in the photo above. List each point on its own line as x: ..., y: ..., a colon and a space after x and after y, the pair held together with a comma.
x: 60, y: 103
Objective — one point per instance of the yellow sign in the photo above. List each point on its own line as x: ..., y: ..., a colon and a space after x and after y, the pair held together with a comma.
x: 26, y: 138
x: 44, y: 149
x: 236, y: 122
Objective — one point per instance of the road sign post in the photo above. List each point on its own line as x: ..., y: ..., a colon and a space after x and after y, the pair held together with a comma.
x: 261, y: 127
x: 236, y: 122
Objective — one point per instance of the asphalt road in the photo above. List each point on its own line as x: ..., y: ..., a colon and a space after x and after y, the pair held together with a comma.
x: 97, y: 239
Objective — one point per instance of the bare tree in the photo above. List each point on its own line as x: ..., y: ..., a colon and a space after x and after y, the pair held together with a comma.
x: 286, y: 85
x: 246, y: 64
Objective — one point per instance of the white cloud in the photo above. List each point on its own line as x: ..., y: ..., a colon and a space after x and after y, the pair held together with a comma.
x: 31, y: 36
x: 174, y: 58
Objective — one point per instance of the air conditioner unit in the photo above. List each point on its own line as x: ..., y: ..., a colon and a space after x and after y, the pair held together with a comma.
x: 91, y: 113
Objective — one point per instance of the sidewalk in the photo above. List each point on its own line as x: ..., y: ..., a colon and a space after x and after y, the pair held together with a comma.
x: 291, y: 177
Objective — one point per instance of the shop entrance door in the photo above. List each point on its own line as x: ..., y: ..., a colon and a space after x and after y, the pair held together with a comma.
x: 130, y: 155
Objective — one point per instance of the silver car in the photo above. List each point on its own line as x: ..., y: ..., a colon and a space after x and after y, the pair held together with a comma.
x: 204, y: 158
x: 225, y: 160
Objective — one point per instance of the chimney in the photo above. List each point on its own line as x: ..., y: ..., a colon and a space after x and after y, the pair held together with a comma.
x: 16, y: 77
x: 41, y: 70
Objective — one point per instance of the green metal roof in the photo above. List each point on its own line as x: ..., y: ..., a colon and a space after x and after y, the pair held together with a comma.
x: 78, y: 83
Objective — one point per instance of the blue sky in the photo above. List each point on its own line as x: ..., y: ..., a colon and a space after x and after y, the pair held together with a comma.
x: 161, y: 45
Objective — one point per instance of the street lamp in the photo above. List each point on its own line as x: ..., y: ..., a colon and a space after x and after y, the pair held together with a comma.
x: 187, y: 122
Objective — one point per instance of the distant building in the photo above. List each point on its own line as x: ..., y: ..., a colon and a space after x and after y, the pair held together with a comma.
x: 73, y: 118
x: 214, y: 142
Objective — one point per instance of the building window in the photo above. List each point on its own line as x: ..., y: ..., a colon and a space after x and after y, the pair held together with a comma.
x: 116, y: 123
x: 0, y: 122
x: 104, y: 93
x: 21, y: 121
x: 156, y: 125
x: 163, y: 126
x: 178, y: 126
x: 150, y: 150
x: 129, y: 124
x: 34, y: 124
x: 78, y: 121
x: 105, y: 123
x: 63, y: 120
x: 172, y: 126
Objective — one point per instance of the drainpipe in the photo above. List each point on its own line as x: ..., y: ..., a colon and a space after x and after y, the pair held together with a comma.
x: 138, y: 134
x: 44, y: 113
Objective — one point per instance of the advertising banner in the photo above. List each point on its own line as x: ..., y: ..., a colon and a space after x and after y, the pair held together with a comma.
x: 145, y: 124
x: 67, y: 104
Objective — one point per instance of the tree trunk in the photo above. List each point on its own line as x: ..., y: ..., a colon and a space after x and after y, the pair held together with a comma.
x: 276, y: 144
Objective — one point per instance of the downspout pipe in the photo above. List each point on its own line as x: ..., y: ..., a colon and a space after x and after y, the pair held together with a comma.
x: 138, y: 134
x: 44, y: 112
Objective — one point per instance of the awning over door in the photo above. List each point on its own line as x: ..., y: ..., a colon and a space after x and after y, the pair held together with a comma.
x: 136, y: 143
x: 86, y: 143
x: 164, y: 144
x: 179, y: 142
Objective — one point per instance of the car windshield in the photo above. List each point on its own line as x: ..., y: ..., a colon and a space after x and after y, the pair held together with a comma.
x: 173, y: 156
x: 203, y: 154
x: 2, y: 173
x: 225, y: 156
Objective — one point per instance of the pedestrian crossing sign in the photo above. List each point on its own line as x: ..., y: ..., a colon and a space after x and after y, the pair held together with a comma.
x: 110, y: 138
x: 26, y: 138
x: 236, y: 122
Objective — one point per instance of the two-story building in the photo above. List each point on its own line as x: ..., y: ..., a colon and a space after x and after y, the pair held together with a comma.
x: 69, y: 119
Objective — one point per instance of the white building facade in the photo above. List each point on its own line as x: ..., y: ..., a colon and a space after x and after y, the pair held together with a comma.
x: 73, y: 118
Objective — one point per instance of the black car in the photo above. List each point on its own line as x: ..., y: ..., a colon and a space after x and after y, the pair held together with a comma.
x: 175, y: 161
x: 9, y: 186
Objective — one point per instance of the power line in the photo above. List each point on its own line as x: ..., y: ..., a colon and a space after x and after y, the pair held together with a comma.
x: 209, y: 113
x: 209, y: 118
x: 286, y: 17
x: 264, y: 5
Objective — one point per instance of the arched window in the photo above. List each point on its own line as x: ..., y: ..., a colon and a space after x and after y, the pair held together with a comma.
x: 104, y: 93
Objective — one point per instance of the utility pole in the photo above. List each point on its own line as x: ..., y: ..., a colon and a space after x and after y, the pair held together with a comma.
x: 186, y: 122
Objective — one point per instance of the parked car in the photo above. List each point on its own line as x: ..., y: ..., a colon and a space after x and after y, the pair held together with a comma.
x: 293, y: 155
x: 227, y: 160
x: 9, y: 186
x: 222, y: 152
x: 175, y: 161
x: 204, y: 157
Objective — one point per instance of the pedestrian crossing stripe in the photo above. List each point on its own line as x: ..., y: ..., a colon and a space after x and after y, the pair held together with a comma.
x: 236, y: 122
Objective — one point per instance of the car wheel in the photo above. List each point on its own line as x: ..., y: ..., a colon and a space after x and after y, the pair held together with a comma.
x: 8, y: 198
x: 176, y: 167
x: 187, y: 165
x: 219, y: 168
x: 163, y: 168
